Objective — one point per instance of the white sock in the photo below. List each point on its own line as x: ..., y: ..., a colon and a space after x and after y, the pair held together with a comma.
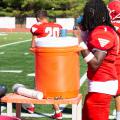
x: 118, y: 115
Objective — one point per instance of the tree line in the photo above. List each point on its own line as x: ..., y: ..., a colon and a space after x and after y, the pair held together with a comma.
x: 56, y: 8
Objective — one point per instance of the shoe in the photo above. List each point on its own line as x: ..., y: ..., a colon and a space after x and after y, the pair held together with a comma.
x: 30, y: 108
x: 57, y: 116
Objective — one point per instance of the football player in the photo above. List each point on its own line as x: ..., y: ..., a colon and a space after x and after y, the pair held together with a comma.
x: 99, y: 52
x: 114, y: 12
x: 44, y: 28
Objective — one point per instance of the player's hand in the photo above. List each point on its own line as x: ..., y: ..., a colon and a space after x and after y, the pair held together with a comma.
x: 76, y: 31
x: 32, y: 49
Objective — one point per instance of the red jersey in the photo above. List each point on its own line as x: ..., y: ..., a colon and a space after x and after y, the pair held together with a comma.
x: 104, y: 38
x: 50, y: 29
x: 116, y: 24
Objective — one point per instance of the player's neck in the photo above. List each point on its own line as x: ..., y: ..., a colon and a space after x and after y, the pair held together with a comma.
x: 44, y: 20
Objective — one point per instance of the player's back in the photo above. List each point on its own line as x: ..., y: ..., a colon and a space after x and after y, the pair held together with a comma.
x: 49, y: 29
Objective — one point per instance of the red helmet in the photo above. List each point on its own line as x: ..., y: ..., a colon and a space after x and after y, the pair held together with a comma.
x: 114, y: 9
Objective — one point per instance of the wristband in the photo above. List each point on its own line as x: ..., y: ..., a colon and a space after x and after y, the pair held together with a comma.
x: 83, y: 46
x: 89, y: 57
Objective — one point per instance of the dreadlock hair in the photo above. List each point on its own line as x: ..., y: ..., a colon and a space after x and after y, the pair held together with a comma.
x: 41, y: 14
x: 95, y: 14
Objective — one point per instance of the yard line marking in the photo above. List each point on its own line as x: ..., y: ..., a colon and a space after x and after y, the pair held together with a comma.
x: 26, y: 53
x: 11, y: 71
x: 1, y: 53
x: 31, y: 74
x: 14, y: 43
x: 3, y: 34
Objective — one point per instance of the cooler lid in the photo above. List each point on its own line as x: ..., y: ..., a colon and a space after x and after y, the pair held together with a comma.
x: 56, y: 41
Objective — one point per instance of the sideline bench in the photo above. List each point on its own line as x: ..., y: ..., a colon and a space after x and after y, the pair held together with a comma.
x: 18, y: 100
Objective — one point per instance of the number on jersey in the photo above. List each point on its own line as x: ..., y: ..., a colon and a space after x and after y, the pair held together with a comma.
x: 52, y: 31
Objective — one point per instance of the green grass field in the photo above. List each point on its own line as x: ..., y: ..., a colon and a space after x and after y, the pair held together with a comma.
x: 18, y: 57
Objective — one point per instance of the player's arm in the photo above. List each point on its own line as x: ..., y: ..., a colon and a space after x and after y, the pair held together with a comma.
x: 35, y: 32
x: 80, y: 34
x: 94, y: 58
x: 100, y: 41
x: 33, y: 40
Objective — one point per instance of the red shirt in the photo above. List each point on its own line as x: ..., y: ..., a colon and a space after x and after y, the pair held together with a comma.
x: 116, y: 24
x: 104, y: 38
x: 50, y: 29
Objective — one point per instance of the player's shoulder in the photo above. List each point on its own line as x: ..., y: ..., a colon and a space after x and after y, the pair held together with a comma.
x: 103, y: 32
x: 35, y: 27
x: 116, y: 24
x: 103, y: 37
x: 103, y: 29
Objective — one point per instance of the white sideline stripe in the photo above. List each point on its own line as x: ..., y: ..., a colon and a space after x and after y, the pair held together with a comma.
x: 14, y: 43
x: 38, y: 115
x: 11, y: 71
x: 83, y: 79
x: 1, y: 53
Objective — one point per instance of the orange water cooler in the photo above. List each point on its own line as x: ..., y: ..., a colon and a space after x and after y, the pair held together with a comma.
x: 57, y: 69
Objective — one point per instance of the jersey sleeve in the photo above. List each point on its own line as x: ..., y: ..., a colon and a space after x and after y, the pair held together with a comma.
x: 35, y: 30
x: 102, y: 39
x: 117, y: 27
